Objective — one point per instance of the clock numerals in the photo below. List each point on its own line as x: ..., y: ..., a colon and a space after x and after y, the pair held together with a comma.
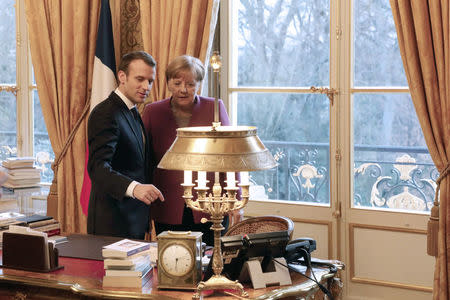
x: 177, y: 260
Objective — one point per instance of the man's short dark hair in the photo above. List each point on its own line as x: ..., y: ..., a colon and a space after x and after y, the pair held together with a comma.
x: 129, y: 57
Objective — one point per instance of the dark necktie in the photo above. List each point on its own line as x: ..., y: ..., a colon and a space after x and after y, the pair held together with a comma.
x: 135, y: 113
x: 137, y: 123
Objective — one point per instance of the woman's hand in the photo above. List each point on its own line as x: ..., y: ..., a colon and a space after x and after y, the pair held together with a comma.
x: 235, y: 216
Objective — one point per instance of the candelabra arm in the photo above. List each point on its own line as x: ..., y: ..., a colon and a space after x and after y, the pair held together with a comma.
x: 244, y: 196
x: 187, y: 193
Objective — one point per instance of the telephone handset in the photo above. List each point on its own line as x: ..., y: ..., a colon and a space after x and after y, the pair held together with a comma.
x: 300, y: 248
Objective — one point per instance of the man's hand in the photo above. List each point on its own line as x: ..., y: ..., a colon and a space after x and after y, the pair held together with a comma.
x: 147, y: 193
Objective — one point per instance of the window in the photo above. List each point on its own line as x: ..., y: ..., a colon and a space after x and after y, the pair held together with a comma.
x: 22, y: 127
x: 286, y: 68
x: 392, y: 166
x: 282, y: 48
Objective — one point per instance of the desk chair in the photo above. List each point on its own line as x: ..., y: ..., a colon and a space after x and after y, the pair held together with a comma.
x: 255, y: 270
x: 262, y: 224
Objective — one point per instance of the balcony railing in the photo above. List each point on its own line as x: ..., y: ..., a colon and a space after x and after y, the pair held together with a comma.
x: 384, y: 176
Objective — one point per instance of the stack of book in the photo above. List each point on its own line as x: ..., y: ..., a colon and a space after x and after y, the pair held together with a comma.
x: 42, y: 223
x: 126, y: 263
x: 22, y: 172
x: 6, y: 219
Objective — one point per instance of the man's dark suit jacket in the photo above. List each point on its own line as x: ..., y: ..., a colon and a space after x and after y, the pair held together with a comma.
x: 116, y: 158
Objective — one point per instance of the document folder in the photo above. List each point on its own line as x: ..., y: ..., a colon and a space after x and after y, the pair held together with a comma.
x: 29, y: 253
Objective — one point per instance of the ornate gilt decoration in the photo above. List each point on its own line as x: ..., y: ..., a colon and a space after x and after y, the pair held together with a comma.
x: 20, y: 296
x: 9, y: 88
x: 404, y: 188
x: 308, y: 176
x: 328, y: 91
x: 217, y: 205
x: 221, y: 162
x: 219, y: 150
x: 131, y: 31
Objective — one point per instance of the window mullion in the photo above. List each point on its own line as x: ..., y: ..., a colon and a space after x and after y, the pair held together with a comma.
x: 24, y: 99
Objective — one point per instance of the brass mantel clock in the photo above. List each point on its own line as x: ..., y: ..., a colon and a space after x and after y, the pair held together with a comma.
x: 179, y: 259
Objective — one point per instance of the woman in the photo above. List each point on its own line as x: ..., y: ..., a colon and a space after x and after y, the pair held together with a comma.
x: 161, y: 119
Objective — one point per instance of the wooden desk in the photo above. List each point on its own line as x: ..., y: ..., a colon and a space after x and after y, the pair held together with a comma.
x: 82, y: 279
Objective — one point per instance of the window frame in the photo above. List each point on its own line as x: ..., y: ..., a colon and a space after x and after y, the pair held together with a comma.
x: 24, y: 87
x: 341, y: 78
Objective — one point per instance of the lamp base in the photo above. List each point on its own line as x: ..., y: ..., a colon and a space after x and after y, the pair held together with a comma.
x: 219, y: 282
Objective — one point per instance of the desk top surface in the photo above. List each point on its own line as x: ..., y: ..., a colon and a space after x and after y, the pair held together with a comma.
x: 83, y: 277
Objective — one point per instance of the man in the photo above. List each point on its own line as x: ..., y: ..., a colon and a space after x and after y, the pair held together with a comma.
x: 118, y: 155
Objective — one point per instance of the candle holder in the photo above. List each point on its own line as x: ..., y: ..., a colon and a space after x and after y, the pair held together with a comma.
x: 217, y: 205
x: 217, y: 149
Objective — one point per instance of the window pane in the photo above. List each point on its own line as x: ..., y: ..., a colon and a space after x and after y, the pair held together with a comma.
x: 296, y: 131
x: 377, y: 55
x: 283, y: 43
x: 393, y: 168
x: 42, y: 148
x: 7, y: 42
x: 8, y: 140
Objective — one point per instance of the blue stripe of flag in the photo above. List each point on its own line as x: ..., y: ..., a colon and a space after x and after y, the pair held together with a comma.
x: 105, y: 40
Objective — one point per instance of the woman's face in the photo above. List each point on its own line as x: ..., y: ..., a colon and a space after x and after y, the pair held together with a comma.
x: 183, y: 88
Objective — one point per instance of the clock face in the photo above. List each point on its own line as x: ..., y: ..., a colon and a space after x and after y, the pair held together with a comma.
x: 177, y: 260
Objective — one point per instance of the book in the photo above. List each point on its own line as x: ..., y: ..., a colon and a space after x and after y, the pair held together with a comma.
x: 42, y: 223
x: 18, y: 162
x: 21, y: 173
x: 4, y: 226
x: 21, y: 185
x: 7, y: 218
x: 34, y: 218
x: 123, y: 281
x: 128, y: 263
x: 57, y: 239
x: 47, y: 227
x: 124, y: 248
x: 24, y: 173
x: 53, y: 232
x: 141, y: 271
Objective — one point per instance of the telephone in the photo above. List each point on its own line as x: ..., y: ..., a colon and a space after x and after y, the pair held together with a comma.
x: 300, y: 248
x: 237, y: 249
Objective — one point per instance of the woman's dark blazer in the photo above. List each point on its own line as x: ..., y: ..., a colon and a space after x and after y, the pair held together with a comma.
x: 161, y: 127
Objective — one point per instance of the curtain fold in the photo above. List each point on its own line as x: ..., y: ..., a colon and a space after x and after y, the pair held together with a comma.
x: 62, y: 42
x: 423, y: 35
x: 171, y: 28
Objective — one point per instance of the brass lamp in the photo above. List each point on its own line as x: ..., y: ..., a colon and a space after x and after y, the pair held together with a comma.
x: 217, y: 149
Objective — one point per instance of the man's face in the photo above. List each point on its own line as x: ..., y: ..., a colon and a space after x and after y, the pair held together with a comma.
x: 138, y: 83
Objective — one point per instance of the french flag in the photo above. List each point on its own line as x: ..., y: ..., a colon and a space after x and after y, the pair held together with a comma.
x: 103, y: 81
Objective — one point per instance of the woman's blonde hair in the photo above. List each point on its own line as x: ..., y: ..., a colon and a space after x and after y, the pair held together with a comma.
x: 185, y: 63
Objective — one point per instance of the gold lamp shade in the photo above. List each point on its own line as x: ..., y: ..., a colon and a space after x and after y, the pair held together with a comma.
x: 217, y: 149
